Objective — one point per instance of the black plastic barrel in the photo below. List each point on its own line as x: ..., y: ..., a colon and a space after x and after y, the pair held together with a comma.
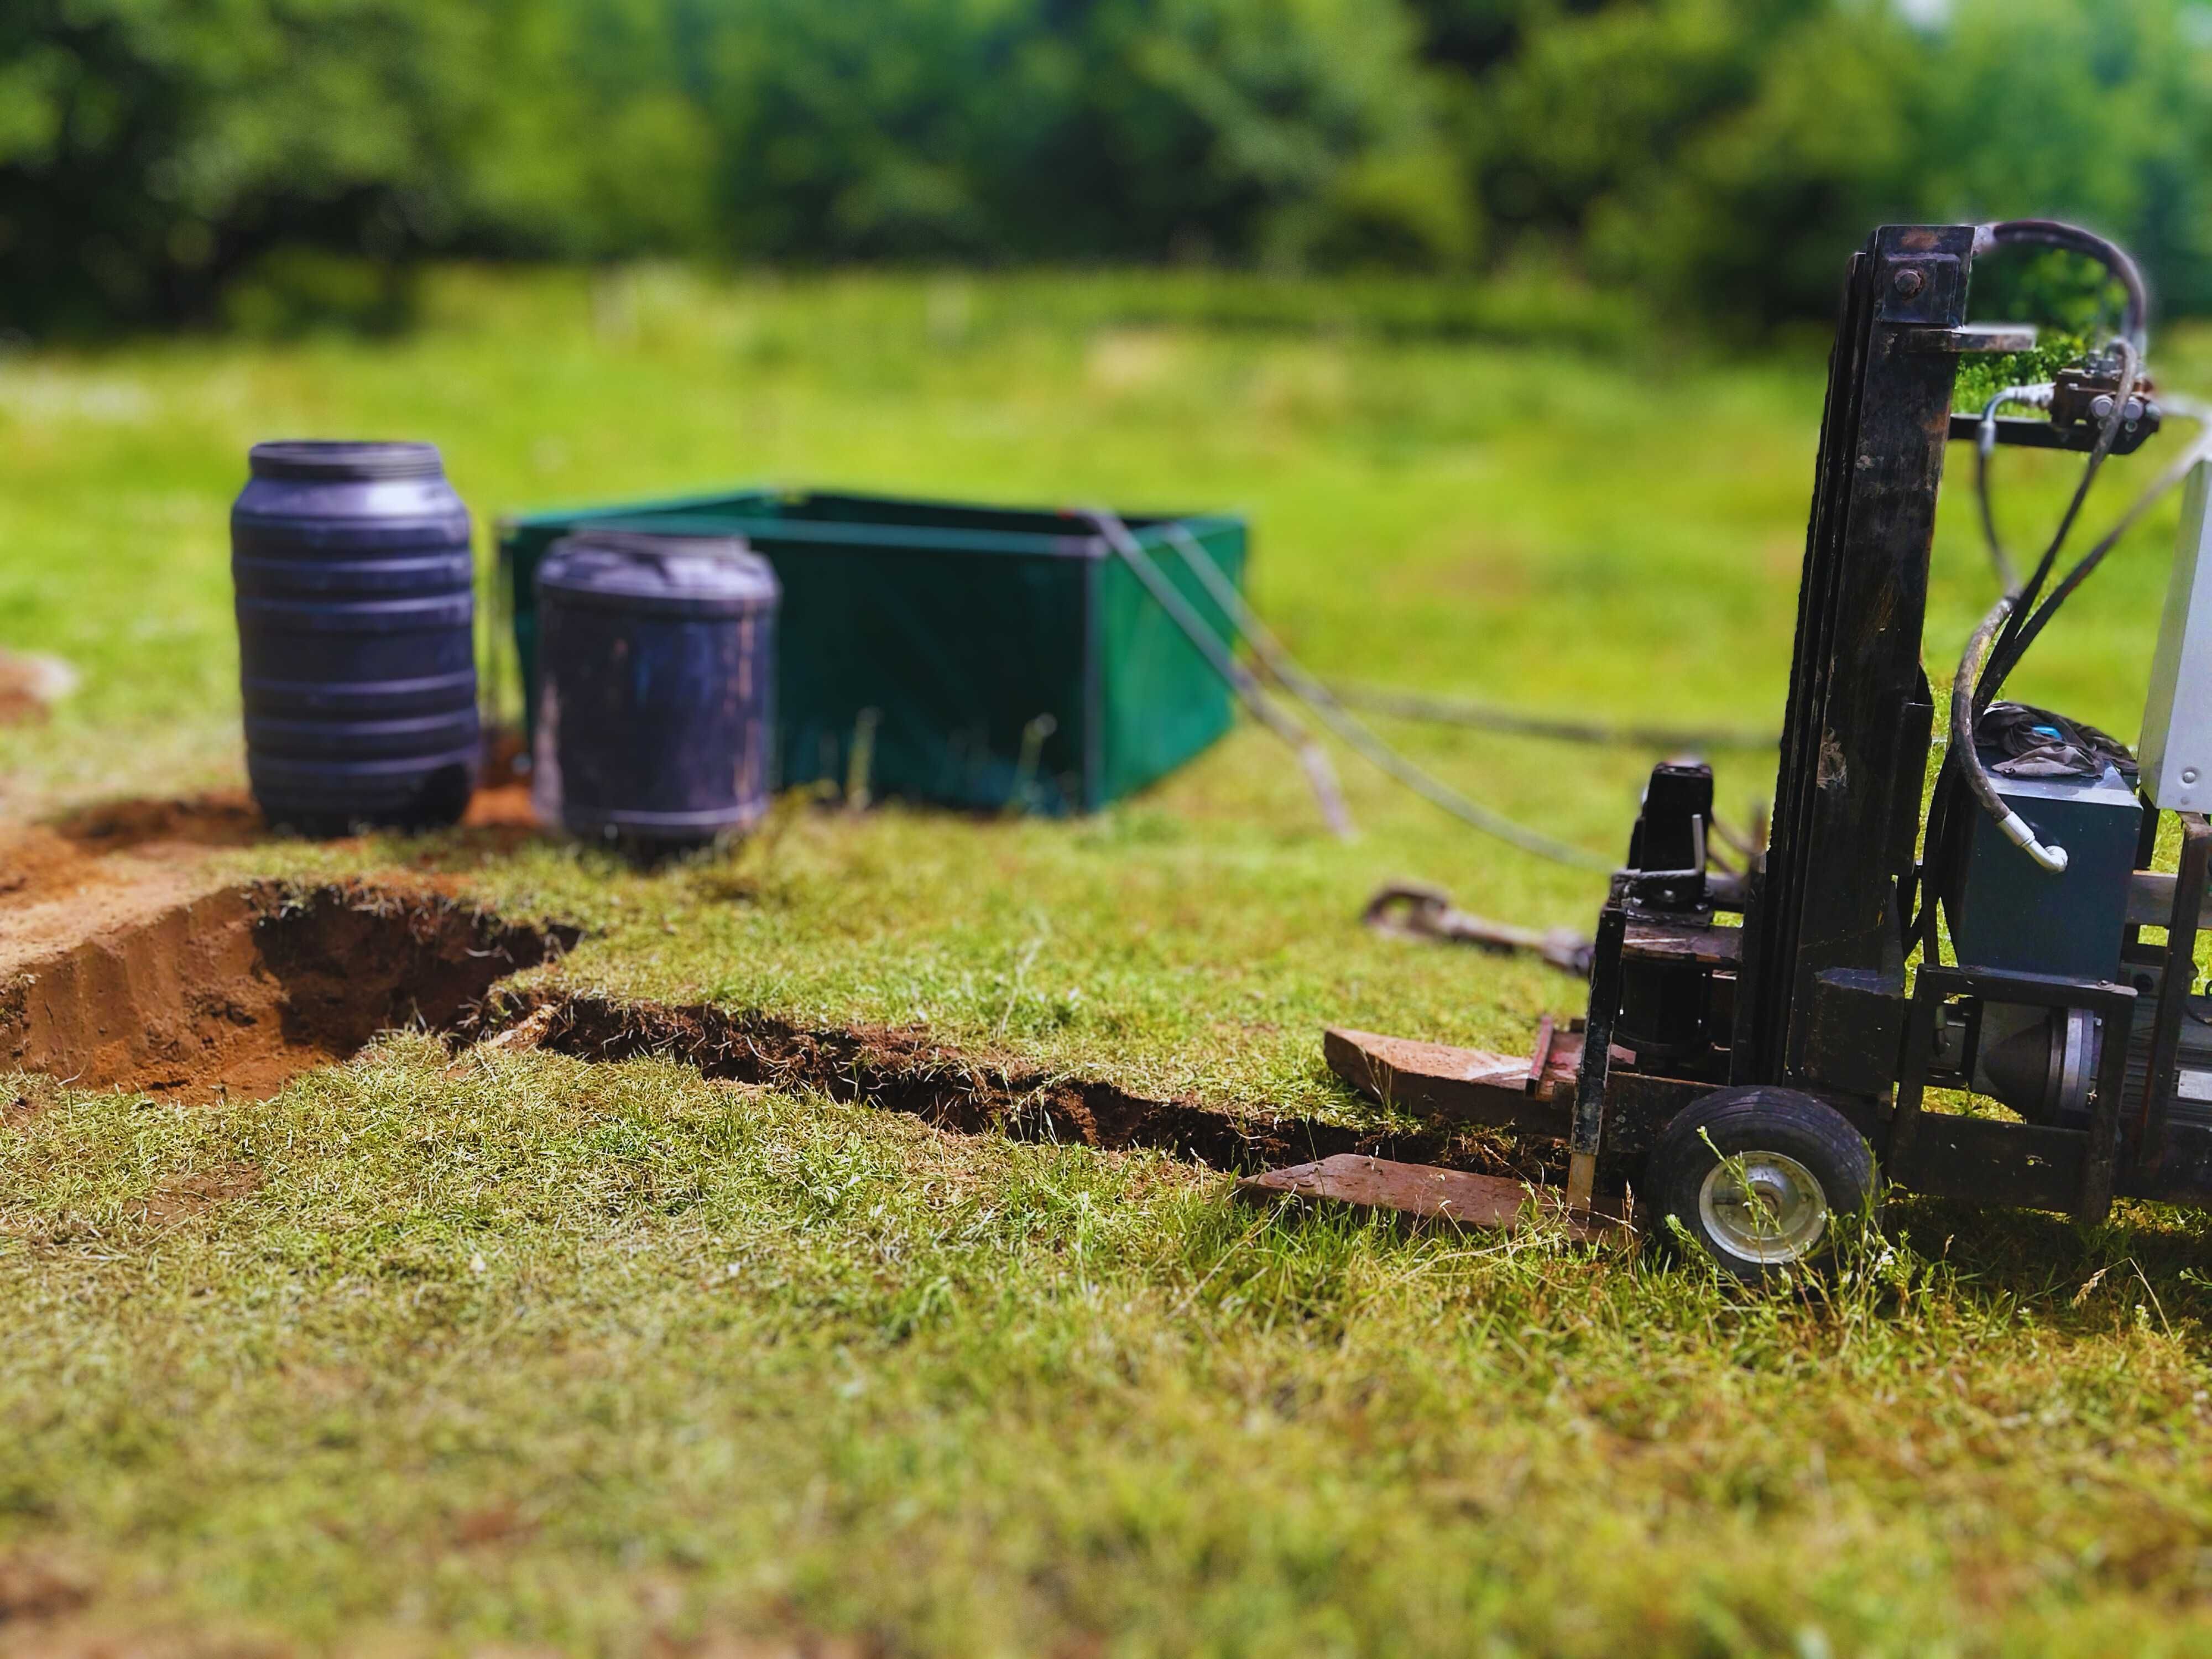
x: 356, y: 642
x: 656, y: 693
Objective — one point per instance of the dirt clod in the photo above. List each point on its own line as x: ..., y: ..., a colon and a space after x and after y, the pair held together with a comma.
x: 29, y: 685
x: 222, y: 818
x: 32, y: 1587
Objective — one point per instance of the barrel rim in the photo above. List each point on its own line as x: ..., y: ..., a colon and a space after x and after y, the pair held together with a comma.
x: 345, y: 459
x: 606, y: 569
x: 715, y: 544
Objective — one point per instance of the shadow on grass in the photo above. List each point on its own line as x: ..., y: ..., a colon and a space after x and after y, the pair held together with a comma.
x: 2070, y: 1273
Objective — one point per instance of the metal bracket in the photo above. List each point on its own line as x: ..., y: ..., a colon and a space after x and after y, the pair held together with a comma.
x: 2011, y: 430
x: 1970, y: 337
x: 1922, y: 287
x: 1587, y: 1129
x: 2176, y: 981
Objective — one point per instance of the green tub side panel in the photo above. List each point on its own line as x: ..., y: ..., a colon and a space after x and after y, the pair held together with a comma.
x: 957, y: 667
x: 981, y: 637
x: 1160, y: 702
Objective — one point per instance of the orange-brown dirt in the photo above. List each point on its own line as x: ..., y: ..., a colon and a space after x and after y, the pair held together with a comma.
x: 28, y: 685
x: 110, y: 866
x: 236, y: 991
x: 127, y: 960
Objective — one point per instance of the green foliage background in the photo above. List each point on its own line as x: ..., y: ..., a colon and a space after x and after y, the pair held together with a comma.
x: 277, y: 161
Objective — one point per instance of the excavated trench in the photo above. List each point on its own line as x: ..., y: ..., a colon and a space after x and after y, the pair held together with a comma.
x: 120, y: 966
x: 233, y: 992
x: 904, y: 1071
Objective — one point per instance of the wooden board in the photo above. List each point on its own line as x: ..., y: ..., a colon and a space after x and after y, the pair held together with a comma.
x: 1464, y: 1085
x: 1424, y: 1193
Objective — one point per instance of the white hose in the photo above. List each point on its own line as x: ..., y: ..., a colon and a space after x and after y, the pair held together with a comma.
x: 2015, y: 829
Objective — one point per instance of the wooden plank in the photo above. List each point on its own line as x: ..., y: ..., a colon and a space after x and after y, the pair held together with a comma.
x: 1464, y: 1085
x: 1423, y: 1193
x: 1540, y: 1056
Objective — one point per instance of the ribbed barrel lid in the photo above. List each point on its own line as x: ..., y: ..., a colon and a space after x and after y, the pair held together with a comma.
x: 341, y: 460
x: 693, y: 575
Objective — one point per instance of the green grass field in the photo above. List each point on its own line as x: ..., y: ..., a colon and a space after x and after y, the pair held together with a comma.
x: 521, y: 1353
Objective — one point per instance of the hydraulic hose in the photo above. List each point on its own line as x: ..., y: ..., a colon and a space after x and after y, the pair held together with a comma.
x: 2009, y: 647
x: 2050, y: 232
x: 2175, y: 475
x: 1983, y: 668
x: 1958, y: 770
x: 2015, y: 829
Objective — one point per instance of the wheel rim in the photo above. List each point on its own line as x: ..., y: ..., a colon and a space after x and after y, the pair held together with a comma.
x: 1763, y: 1207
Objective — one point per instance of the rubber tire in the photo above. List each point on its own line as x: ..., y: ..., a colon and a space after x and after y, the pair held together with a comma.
x: 1757, y: 1117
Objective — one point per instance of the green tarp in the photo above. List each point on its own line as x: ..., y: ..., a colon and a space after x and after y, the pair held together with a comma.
x: 1005, y: 656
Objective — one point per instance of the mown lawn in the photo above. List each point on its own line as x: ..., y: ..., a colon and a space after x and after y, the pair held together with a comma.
x: 518, y: 1350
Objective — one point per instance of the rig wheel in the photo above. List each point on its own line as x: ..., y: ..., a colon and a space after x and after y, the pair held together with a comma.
x: 1760, y: 1177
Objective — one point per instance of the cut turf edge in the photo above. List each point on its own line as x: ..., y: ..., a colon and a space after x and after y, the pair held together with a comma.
x: 903, y: 1071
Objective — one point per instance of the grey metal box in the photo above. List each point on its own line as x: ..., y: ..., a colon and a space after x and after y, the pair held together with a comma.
x: 2019, y: 918
x: 2177, y: 729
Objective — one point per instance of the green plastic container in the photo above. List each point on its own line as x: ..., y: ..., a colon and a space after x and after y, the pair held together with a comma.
x: 994, y: 657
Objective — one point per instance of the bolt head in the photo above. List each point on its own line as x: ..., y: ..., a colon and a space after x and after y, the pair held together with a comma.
x: 2101, y: 405
x: 2188, y: 774
x: 1909, y: 283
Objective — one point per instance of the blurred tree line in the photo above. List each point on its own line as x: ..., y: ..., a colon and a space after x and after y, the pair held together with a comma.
x: 166, y: 161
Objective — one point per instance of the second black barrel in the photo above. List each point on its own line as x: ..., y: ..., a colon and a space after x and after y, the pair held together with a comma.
x: 656, y: 706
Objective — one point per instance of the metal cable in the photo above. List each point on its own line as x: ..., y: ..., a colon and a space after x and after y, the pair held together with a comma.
x: 2006, y: 651
x: 2176, y: 473
x: 1338, y: 700
x: 1519, y: 723
x: 1332, y: 713
x: 1321, y: 775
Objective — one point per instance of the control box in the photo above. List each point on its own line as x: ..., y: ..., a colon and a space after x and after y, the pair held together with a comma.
x: 2017, y: 917
x: 2176, y: 732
